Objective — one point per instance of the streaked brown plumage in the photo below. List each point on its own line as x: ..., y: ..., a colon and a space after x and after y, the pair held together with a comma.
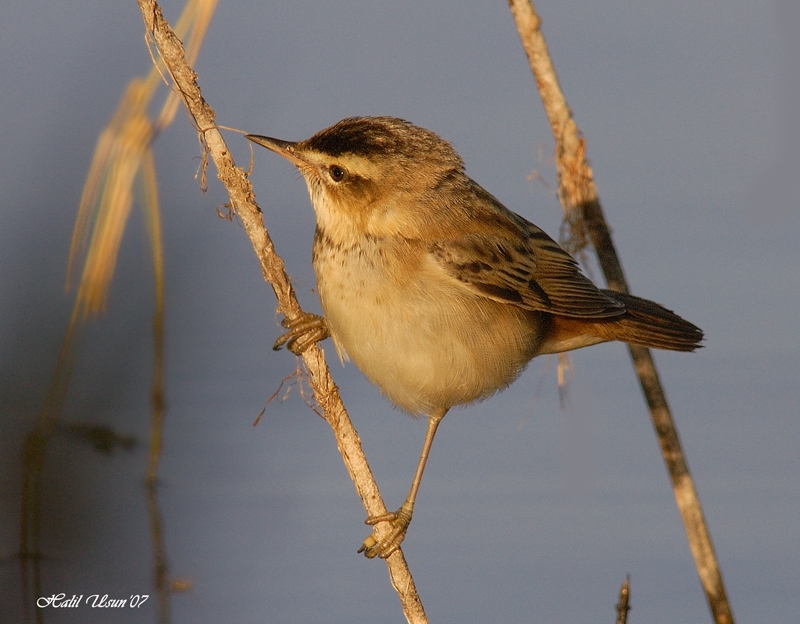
x: 438, y: 293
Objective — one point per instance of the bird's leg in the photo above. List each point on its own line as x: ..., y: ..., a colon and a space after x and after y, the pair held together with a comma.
x: 401, y: 518
x: 305, y: 329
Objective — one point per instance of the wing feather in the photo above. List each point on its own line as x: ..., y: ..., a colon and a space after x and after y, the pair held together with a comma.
x: 504, y: 257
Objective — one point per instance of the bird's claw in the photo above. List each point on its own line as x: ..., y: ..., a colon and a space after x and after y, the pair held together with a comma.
x: 305, y: 330
x: 374, y: 546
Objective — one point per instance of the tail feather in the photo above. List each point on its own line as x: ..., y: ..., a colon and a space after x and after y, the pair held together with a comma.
x: 648, y: 324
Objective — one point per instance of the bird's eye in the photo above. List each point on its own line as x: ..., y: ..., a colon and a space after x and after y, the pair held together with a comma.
x: 337, y: 173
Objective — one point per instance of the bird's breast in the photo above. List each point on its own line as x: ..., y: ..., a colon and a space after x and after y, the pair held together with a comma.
x: 423, y: 339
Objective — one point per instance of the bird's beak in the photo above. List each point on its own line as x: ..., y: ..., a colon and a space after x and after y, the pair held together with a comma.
x: 287, y: 149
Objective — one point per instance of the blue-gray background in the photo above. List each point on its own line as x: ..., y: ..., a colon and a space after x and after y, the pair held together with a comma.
x: 530, y: 512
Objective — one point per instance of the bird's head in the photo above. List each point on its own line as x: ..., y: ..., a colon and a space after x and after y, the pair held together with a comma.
x: 379, y: 175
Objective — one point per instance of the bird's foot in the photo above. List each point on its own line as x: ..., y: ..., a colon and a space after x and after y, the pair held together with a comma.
x: 399, y: 521
x: 305, y: 330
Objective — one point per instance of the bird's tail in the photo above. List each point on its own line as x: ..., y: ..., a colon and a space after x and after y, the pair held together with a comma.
x: 648, y: 324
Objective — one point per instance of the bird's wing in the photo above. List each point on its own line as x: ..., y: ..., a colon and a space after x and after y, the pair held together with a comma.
x: 502, y: 256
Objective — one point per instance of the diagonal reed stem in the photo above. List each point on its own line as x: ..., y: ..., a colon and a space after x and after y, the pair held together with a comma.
x: 243, y: 203
x: 585, y: 215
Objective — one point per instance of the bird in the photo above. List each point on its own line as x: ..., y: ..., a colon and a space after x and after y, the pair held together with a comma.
x: 437, y: 292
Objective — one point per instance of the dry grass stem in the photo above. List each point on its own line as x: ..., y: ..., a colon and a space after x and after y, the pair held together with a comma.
x: 585, y: 215
x: 243, y: 202
x: 623, y: 606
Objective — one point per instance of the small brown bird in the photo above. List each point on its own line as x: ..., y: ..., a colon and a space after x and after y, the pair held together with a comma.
x: 437, y: 292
